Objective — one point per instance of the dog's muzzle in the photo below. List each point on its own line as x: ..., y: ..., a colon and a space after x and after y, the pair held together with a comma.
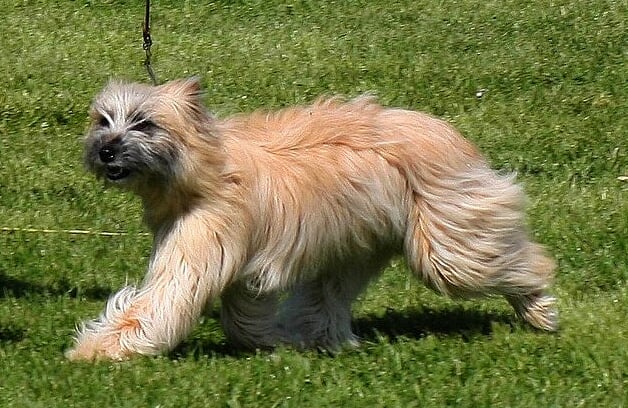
x: 108, y: 155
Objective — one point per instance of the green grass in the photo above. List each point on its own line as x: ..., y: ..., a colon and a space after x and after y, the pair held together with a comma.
x: 553, y: 108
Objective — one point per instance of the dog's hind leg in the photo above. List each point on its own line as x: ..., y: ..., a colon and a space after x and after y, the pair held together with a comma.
x: 466, y: 237
x: 318, y: 312
x: 248, y: 317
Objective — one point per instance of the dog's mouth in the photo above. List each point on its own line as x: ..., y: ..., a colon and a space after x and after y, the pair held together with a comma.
x: 116, y: 173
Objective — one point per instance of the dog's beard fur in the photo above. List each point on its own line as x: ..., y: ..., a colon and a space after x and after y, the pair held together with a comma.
x: 311, y: 200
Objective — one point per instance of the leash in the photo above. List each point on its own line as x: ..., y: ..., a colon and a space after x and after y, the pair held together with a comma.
x: 148, y: 42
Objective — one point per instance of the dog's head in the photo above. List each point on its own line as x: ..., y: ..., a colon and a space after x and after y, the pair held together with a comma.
x: 141, y: 136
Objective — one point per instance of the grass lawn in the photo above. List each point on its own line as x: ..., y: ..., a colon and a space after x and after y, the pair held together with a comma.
x: 540, y: 86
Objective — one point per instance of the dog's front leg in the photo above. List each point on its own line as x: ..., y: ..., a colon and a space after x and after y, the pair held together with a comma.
x: 188, y: 269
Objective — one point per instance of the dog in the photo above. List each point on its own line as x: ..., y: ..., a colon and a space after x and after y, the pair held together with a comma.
x: 286, y: 216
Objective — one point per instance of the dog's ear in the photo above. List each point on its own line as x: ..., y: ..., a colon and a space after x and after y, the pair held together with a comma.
x: 189, y: 90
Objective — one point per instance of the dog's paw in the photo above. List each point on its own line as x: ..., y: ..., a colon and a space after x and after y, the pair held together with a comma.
x: 538, y: 310
x: 95, y: 348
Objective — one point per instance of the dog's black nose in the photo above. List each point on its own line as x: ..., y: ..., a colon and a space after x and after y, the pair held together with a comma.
x: 108, y: 153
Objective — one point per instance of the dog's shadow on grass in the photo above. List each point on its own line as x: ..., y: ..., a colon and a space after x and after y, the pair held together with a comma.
x: 418, y: 323
x: 9, y: 334
x: 14, y: 287
x: 392, y: 326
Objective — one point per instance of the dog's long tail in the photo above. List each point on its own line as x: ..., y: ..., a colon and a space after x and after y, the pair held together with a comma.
x: 466, y: 233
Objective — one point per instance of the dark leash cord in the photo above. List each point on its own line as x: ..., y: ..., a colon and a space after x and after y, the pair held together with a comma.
x: 148, y: 42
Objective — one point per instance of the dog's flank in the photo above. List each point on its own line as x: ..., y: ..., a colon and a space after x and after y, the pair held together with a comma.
x: 310, y: 200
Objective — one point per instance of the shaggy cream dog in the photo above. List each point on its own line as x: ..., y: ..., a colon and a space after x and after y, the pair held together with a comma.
x: 310, y: 200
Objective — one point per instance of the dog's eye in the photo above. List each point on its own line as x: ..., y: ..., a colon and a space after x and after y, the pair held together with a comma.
x: 143, y: 125
x: 103, y: 121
